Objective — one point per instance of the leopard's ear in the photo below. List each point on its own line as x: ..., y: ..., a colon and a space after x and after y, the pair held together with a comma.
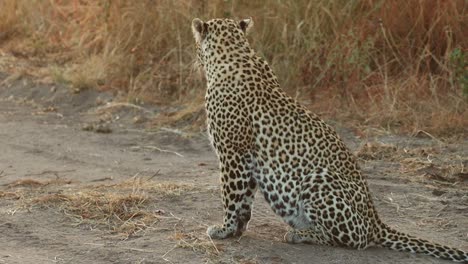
x: 246, y: 25
x: 199, y: 29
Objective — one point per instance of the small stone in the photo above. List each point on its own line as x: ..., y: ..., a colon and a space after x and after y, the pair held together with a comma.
x: 437, y: 192
x: 139, y: 119
x: 103, y: 129
x: 87, y: 127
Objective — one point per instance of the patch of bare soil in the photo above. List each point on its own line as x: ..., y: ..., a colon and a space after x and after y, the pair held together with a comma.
x: 84, y: 179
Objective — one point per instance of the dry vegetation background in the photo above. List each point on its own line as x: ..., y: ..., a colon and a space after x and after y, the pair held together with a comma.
x: 399, y: 65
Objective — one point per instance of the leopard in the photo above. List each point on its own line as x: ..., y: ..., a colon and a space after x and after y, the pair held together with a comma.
x: 266, y: 141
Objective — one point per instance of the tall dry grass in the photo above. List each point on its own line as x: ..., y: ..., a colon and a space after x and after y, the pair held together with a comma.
x: 395, y: 64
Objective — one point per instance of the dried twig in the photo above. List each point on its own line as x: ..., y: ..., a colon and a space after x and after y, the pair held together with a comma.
x: 54, y: 172
x: 154, y: 175
x: 112, y: 105
x: 109, y: 178
x: 94, y: 244
x: 175, y: 131
x: 429, y: 135
x: 169, y: 251
x: 212, y: 243
x: 138, y: 249
x: 158, y: 149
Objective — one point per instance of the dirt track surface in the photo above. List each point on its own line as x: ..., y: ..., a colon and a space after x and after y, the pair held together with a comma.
x: 42, y: 138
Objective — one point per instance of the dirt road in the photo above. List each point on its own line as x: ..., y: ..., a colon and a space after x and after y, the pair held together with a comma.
x: 56, y: 144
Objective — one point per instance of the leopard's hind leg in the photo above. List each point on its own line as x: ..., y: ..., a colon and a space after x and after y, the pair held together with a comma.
x: 309, y: 236
x: 328, y: 203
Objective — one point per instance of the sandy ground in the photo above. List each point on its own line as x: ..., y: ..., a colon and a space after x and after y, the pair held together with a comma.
x: 50, y: 135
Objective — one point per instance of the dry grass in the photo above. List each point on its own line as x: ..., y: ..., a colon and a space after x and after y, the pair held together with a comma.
x: 36, y: 183
x: 394, y: 64
x: 166, y: 189
x: 10, y: 195
x: 121, y: 208
x: 195, y: 243
x: 427, y: 164
x: 376, y: 151
x: 120, y: 213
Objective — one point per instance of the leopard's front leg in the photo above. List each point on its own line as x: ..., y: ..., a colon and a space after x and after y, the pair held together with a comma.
x: 238, y: 190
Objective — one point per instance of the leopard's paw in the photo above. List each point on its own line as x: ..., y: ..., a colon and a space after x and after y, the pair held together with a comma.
x: 219, y: 232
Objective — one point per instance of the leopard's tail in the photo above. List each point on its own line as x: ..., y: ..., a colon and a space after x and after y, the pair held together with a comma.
x: 390, y: 238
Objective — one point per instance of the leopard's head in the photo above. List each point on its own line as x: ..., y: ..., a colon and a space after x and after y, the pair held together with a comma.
x: 216, y: 38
